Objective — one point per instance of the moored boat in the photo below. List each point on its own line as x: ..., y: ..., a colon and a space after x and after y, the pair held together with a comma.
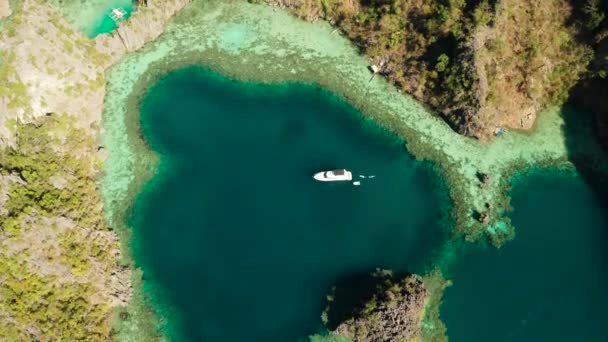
x: 333, y: 175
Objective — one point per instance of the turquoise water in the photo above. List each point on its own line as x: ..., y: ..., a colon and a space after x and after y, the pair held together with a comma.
x: 550, y: 283
x: 92, y: 17
x: 103, y: 23
x: 233, y: 233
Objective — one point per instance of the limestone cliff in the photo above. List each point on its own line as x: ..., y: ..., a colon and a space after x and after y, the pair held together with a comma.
x: 591, y: 93
x: 60, y: 264
x: 5, y: 9
x: 386, y: 308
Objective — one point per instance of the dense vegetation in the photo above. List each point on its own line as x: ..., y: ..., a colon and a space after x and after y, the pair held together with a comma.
x: 51, y: 182
x: 50, y: 252
x: 482, y: 64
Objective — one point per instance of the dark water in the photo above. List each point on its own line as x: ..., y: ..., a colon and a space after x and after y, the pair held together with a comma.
x: 235, y: 235
x: 550, y: 283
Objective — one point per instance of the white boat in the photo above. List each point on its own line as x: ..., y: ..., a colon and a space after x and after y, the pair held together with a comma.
x: 334, y: 175
x: 117, y: 14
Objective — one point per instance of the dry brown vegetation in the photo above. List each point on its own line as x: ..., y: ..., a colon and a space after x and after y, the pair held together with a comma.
x: 482, y: 64
x: 527, y: 60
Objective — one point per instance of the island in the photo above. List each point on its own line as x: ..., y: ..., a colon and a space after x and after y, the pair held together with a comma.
x: 388, y: 308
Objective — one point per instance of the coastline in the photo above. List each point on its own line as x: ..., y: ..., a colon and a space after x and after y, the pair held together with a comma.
x: 255, y: 43
x: 86, y: 17
x: 247, y: 45
x: 53, y: 71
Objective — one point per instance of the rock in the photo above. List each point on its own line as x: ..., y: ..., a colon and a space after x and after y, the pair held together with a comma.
x: 5, y: 9
x: 484, y: 178
x: 140, y: 29
x: 58, y: 182
x: 484, y: 218
x: 389, y: 310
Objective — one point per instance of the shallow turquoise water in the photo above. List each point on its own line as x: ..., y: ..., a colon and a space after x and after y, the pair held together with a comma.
x: 550, y: 283
x: 105, y: 24
x: 235, y: 236
x: 91, y: 17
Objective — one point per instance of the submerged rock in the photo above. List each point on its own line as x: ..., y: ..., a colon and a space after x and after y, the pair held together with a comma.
x: 484, y: 218
x: 484, y: 179
x: 377, y: 307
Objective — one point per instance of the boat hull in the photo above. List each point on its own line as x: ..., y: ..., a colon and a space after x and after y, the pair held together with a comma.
x: 327, y: 176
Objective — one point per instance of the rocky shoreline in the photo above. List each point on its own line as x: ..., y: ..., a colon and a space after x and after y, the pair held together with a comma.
x: 392, y: 308
x: 484, y: 66
x: 53, y: 84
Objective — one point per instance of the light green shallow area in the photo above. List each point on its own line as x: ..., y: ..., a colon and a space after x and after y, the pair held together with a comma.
x: 91, y: 17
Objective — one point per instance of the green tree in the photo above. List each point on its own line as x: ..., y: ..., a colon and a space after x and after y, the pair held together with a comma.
x: 594, y: 13
x: 442, y: 63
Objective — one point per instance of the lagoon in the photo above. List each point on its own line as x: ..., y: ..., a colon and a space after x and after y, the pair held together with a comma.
x: 549, y: 283
x: 236, y: 239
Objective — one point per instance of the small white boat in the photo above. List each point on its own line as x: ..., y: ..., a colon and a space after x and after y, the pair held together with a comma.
x: 117, y: 14
x: 334, y: 175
